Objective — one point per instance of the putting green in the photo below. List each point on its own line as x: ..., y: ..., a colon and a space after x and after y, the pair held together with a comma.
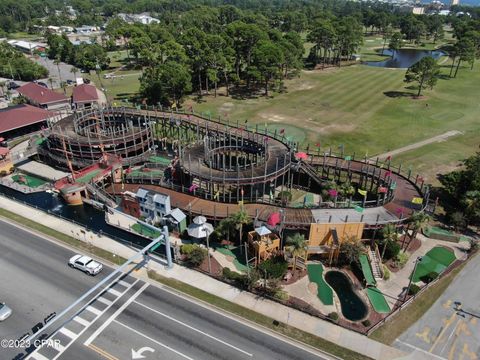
x: 145, y: 231
x: 378, y: 301
x: 324, y: 291
x: 89, y: 176
x: 30, y: 181
x: 436, y: 260
x: 160, y: 160
x: 367, y: 270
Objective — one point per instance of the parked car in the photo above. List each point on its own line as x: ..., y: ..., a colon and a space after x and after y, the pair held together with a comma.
x: 41, y: 83
x: 85, y: 264
x: 12, y: 85
x: 5, y: 311
x: 86, y: 81
x: 70, y: 82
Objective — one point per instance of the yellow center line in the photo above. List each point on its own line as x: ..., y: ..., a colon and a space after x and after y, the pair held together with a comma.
x: 447, y: 322
x: 102, y: 352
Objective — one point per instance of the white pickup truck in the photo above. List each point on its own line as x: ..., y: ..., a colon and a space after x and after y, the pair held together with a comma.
x: 86, y: 264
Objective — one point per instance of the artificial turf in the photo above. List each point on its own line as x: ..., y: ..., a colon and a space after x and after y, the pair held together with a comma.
x: 436, y: 260
x: 324, y: 291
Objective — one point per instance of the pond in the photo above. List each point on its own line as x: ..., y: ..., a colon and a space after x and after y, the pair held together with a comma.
x: 353, y: 307
x: 404, y: 58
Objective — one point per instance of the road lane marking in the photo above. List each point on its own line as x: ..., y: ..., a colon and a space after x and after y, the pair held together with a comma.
x: 81, y: 320
x: 93, y: 310
x: 153, y: 340
x: 421, y: 350
x: 250, y: 324
x: 103, y: 300
x: 450, y: 336
x: 114, y: 292
x: 123, y: 283
x: 114, y: 315
x: 38, y: 356
x: 447, y: 322
x: 67, y: 333
x: 193, y: 328
x: 102, y: 352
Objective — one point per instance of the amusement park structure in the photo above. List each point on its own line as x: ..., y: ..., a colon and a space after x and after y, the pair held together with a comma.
x: 212, y: 168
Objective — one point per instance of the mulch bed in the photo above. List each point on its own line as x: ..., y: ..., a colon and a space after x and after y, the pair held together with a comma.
x: 296, y: 275
x: 216, y: 267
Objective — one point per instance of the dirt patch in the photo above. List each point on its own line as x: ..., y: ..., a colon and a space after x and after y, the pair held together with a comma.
x: 226, y: 107
x: 336, y: 128
x: 313, y: 288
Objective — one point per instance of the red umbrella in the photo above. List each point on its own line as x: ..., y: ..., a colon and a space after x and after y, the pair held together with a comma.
x: 274, y: 219
x: 301, y: 155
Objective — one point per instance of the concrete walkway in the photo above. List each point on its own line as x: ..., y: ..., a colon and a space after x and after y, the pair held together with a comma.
x: 323, y: 329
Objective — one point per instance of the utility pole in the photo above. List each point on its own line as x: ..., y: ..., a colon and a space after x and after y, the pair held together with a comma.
x: 417, y: 260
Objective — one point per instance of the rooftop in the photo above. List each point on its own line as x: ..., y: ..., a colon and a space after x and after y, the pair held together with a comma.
x: 41, y: 95
x: 21, y: 115
x: 84, y: 93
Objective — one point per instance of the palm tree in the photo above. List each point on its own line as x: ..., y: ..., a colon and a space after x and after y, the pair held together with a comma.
x: 74, y: 71
x: 50, y: 80
x: 57, y: 62
x: 389, y: 234
x: 241, y: 218
x: 417, y: 222
x: 352, y: 248
x: 297, y: 246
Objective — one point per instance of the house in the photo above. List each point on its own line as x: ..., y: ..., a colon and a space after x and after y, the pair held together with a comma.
x: 23, y: 119
x: 143, y: 18
x: 85, y: 96
x: 28, y: 47
x: 155, y: 207
x: 86, y: 29
x: 42, y: 97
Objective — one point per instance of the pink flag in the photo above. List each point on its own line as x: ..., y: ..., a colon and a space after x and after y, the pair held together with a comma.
x: 382, y: 189
x: 388, y: 173
x: 193, y: 187
x: 332, y: 192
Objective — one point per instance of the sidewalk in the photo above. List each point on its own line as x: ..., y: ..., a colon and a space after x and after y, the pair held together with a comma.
x: 318, y: 327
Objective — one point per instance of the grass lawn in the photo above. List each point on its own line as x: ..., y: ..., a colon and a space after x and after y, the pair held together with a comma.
x: 201, y: 295
x: 370, y: 111
x: 259, y: 319
x: 392, y: 329
x: 120, y: 89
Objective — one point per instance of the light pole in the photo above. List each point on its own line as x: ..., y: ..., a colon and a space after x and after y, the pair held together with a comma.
x: 417, y: 260
x: 208, y: 251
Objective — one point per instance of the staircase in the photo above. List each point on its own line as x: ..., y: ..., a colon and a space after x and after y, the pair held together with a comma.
x: 101, y: 195
x: 310, y: 171
x: 375, y: 263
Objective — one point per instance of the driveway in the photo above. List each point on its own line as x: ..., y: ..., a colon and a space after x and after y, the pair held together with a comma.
x: 53, y: 70
x: 444, y: 333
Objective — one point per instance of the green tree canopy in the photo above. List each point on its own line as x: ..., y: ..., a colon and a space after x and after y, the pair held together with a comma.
x: 425, y: 73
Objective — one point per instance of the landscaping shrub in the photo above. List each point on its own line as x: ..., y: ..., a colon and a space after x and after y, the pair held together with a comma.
x: 281, y: 295
x: 386, y: 273
x: 429, y: 277
x: 401, y: 259
x: 366, y: 323
x: 186, y: 249
x: 392, y: 248
x: 230, y: 275
x: 194, y: 254
x: 276, y: 267
x: 3, y: 173
x: 333, y: 316
x: 414, y: 289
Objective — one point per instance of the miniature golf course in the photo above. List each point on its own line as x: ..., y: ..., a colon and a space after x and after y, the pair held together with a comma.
x: 28, y: 180
x: 377, y: 300
x: 324, y: 291
x: 436, y: 260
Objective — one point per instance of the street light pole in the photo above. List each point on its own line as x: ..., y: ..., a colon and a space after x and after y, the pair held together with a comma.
x: 417, y: 260
x: 208, y: 251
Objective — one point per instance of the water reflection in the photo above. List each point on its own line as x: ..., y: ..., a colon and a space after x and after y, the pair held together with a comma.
x: 404, y: 58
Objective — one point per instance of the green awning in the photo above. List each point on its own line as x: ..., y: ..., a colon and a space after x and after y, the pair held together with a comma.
x: 367, y: 270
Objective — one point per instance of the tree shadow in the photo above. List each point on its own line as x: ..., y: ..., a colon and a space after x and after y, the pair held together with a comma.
x: 397, y: 94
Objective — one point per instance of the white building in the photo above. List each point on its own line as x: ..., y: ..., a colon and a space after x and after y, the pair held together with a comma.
x: 143, y: 18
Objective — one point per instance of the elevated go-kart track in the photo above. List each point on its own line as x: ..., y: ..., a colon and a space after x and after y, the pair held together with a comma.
x: 216, y: 167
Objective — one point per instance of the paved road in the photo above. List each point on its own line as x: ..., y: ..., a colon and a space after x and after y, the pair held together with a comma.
x: 65, y: 71
x: 35, y: 280
x: 131, y: 314
x: 442, y: 332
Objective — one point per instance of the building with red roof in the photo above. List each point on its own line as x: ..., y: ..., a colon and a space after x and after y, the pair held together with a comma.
x: 42, y: 97
x: 85, y: 95
x: 23, y: 119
